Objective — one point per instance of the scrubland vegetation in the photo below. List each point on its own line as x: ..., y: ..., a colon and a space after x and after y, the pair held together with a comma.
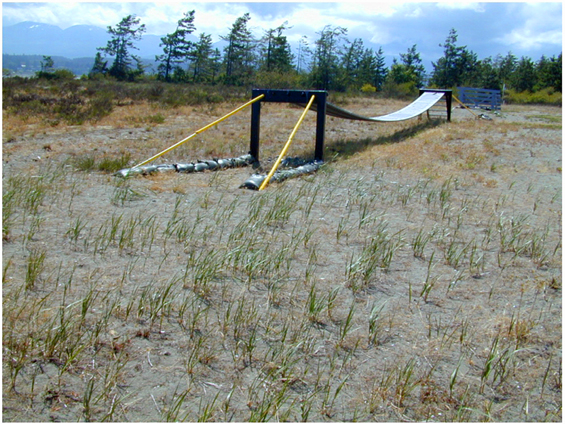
x: 416, y: 276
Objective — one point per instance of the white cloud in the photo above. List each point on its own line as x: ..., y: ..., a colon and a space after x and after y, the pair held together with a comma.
x: 525, y: 27
x: 358, y: 10
x: 416, y: 13
x: 462, y: 5
x: 525, y: 38
x: 382, y: 37
x: 541, y: 26
x: 66, y: 14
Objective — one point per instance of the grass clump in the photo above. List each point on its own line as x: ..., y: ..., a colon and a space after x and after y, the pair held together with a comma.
x: 89, y: 162
x: 111, y: 164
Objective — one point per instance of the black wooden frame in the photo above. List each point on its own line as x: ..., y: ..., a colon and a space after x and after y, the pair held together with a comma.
x: 302, y: 97
x: 289, y: 96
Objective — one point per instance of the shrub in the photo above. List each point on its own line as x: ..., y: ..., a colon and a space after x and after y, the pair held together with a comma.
x: 278, y: 80
x: 368, y: 88
x: 64, y: 74
x: 100, y: 106
x: 404, y: 91
x: 59, y: 74
x: 546, y: 96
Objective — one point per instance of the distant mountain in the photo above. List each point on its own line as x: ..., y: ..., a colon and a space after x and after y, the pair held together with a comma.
x: 34, y: 38
x: 28, y: 65
x: 74, y: 48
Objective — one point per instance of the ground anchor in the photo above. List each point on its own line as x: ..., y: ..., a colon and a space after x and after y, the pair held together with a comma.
x: 255, y: 181
x: 199, y: 166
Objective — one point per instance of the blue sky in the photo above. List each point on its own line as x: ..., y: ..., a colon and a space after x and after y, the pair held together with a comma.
x: 525, y: 29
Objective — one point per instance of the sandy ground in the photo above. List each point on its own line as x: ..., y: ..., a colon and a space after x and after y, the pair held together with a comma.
x: 462, y: 323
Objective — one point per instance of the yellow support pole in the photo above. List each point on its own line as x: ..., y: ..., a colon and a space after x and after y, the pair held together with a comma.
x: 461, y: 103
x: 217, y: 121
x: 287, y: 145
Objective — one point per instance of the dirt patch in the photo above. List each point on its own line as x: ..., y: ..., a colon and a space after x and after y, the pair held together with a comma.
x: 416, y: 276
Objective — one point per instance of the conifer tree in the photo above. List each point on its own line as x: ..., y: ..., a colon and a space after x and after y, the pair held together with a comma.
x: 100, y: 66
x: 413, y: 64
x: 380, y: 70
x: 486, y: 75
x: 550, y: 73
x: 352, y: 62
x: 123, y: 37
x: 506, y: 66
x: 304, y: 54
x: 202, y: 63
x: 239, y: 53
x: 325, y: 66
x: 524, y: 77
x: 276, y: 50
x: 458, y: 65
x: 176, y: 47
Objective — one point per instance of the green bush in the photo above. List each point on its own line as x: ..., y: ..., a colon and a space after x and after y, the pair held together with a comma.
x: 278, y: 80
x: 405, y: 90
x: 547, y: 96
x: 59, y: 74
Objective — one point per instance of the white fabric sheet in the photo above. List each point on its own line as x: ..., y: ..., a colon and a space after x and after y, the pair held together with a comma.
x: 417, y: 107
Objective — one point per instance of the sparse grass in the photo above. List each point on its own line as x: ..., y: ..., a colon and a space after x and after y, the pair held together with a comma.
x: 110, y: 164
x: 390, y: 286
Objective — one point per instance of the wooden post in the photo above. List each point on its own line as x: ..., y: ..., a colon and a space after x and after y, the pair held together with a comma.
x: 320, y: 125
x: 255, y: 130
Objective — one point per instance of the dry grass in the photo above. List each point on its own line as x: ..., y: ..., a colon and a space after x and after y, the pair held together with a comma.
x: 416, y: 276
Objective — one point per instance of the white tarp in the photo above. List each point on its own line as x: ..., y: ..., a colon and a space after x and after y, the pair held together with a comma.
x: 417, y: 107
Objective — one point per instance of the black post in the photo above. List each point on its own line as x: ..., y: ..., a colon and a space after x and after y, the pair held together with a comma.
x: 320, y: 125
x: 448, y: 95
x: 255, y: 129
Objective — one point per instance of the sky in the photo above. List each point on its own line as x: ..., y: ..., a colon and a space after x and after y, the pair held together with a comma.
x: 488, y: 28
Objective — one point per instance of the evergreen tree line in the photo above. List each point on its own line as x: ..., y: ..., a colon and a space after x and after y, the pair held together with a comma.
x: 331, y: 62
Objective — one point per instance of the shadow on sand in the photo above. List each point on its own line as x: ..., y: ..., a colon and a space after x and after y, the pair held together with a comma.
x: 344, y: 149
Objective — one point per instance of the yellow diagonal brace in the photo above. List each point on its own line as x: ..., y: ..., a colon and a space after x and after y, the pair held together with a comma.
x: 174, y: 146
x: 287, y: 145
x: 461, y: 103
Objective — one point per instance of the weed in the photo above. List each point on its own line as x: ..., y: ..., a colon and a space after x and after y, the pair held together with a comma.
x: 315, y: 305
x: 375, y: 323
x: 377, y: 254
x: 420, y: 242
x: 124, y: 193
x: 112, y: 164
x: 85, y: 163
x: 404, y: 381
x: 8, y: 211
x: 347, y: 324
x: 430, y: 281
x: 35, y: 267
